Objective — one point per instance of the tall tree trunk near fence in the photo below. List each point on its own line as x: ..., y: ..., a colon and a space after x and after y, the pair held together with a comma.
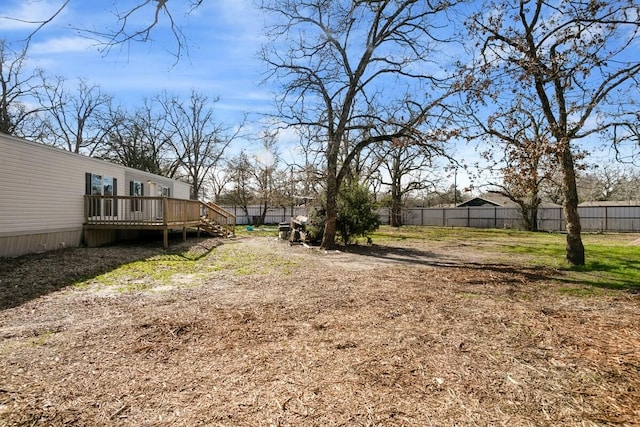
x: 530, y: 212
x: 575, y: 248
x: 329, y: 236
x: 396, y: 195
x: 396, y: 213
x: 533, y: 218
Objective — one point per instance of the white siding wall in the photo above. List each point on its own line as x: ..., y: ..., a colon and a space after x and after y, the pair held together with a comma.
x: 41, y: 194
x: 41, y: 187
x: 181, y: 190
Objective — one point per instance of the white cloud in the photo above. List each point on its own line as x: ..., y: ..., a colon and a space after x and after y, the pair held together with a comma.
x: 289, y: 136
x: 27, y: 15
x: 62, y: 45
x: 223, y: 38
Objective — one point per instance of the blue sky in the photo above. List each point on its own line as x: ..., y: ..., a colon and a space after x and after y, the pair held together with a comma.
x: 223, y: 37
x: 223, y: 40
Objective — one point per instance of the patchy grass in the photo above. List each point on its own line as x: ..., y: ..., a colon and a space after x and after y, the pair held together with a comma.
x: 195, y: 263
x: 157, y: 270
x: 612, y: 267
x: 442, y: 234
x: 145, y: 274
x: 612, y: 263
x: 42, y: 337
x: 244, y: 260
x: 262, y: 231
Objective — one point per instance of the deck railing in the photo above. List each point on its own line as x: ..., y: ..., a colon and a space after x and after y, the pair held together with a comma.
x: 219, y: 216
x: 139, y: 211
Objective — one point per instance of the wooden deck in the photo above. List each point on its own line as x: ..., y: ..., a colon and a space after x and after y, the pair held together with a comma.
x: 156, y: 213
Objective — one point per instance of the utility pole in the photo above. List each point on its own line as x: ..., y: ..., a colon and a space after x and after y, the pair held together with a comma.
x: 455, y: 186
x: 292, y: 190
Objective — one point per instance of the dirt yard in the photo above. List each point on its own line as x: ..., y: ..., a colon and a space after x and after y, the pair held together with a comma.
x: 254, y: 332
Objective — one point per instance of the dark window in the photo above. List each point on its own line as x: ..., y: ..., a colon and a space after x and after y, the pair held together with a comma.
x: 136, y: 189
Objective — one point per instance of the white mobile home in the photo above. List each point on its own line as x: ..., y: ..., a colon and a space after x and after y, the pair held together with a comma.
x: 51, y: 198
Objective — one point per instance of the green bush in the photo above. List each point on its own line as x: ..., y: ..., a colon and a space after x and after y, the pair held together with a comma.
x: 357, y: 212
x: 315, y: 225
x: 357, y: 215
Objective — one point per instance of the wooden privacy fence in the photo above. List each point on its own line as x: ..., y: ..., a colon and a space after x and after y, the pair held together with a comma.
x: 275, y: 214
x: 622, y: 218
x: 592, y: 218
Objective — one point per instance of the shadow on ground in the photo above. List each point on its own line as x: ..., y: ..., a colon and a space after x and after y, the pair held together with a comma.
x: 28, y: 277
x: 413, y: 256
x: 596, y: 275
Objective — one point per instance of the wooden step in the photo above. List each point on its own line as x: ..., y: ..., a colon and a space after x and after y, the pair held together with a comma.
x: 212, y: 228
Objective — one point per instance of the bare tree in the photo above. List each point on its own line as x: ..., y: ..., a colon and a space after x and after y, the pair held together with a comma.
x: 135, y: 23
x: 255, y: 179
x: 75, y: 119
x: 628, y: 189
x: 241, y: 193
x: 440, y: 195
x: 197, y: 141
x: 575, y: 58
x: 139, y: 140
x: 17, y: 92
x: 403, y: 167
x: 626, y: 137
x: 521, y: 151
x: 217, y: 182
x: 306, y: 170
x: 354, y: 73
x: 609, y: 182
x: 264, y: 170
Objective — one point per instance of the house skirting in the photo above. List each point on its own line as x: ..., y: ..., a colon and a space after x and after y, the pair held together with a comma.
x: 93, y: 237
x: 23, y: 243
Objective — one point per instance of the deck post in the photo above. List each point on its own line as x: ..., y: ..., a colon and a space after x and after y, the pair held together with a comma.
x: 165, y: 237
x: 184, y: 233
x: 86, y: 209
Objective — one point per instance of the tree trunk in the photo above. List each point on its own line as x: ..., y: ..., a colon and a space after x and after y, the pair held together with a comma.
x: 263, y: 213
x: 396, y: 207
x: 329, y: 236
x: 533, y: 211
x: 533, y: 219
x: 396, y: 214
x: 396, y: 192
x: 525, y: 212
x: 575, y: 248
x: 194, y: 190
